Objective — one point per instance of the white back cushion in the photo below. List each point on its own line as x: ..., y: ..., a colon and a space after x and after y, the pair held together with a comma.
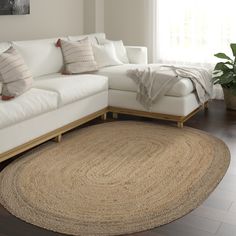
x: 41, y: 56
x: 93, y: 37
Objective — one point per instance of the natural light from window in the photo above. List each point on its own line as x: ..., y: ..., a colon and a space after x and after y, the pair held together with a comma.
x: 192, y: 31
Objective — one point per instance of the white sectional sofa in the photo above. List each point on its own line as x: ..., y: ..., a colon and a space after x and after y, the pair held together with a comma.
x: 58, y: 103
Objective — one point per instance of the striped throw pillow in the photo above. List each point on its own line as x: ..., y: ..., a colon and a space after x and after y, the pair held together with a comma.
x: 78, y: 56
x: 14, y: 74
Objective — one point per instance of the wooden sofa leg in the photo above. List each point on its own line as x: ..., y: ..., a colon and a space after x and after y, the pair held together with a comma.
x: 180, y: 124
x: 115, y: 115
x: 58, y: 138
x: 104, y: 116
x: 206, y: 105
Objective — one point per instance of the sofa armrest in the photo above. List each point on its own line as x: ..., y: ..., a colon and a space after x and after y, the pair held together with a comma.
x: 137, y: 55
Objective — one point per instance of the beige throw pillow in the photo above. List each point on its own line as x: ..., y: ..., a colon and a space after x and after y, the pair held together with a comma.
x: 14, y: 74
x: 78, y: 56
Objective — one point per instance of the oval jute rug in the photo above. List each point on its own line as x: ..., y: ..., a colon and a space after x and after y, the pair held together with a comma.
x: 114, y: 178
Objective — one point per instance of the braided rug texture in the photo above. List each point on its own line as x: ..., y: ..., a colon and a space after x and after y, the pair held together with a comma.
x: 114, y: 178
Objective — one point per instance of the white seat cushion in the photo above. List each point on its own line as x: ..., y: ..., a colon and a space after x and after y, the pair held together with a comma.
x: 32, y: 103
x: 118, y: 80
x: 72, y: 88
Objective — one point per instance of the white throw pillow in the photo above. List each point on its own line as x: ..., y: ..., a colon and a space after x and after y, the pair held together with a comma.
x: 105, y: 55
x: 119, y: 47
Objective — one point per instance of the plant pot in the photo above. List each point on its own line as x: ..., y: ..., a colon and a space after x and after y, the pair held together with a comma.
x: 230, y: 99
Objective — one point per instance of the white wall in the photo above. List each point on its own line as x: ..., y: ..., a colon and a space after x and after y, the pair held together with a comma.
x: 130, y: 20
x: 100, y: 15
x: 119, y: 19
x: 48, y: 18
x: 127, y: 20
x: 89, y: 16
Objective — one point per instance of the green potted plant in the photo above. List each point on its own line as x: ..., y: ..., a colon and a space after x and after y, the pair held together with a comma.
x: 225, y: 75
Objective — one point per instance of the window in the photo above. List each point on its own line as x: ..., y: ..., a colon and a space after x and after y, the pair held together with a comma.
x: 192, y: 31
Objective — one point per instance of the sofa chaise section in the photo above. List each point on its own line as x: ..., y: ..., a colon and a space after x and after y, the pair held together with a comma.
x: 119, y: 80
x: 179, y: 103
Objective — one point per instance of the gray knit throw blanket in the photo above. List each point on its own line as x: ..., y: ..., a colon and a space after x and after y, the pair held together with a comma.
x: 154, y: 82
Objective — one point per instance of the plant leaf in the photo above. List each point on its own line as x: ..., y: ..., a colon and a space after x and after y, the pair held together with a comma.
x: 216, y: 80
x: 222, y: 67
x: 233, y: 47
x: 216, y: 72
x: 226, y: 78
x: 229, y: 63
x: 222, y: 56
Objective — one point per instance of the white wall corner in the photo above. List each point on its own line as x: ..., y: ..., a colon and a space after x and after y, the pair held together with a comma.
x: 151, y: 31
x: 99, y: 19
x: 93, y: 16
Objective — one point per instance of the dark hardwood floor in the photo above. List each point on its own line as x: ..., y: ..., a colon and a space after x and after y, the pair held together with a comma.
x: 217, y: 216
